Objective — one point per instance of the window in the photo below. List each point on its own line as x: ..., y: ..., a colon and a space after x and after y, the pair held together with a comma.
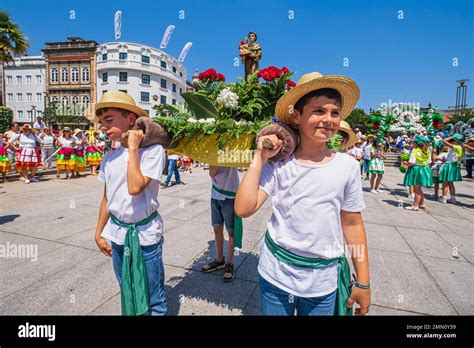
x: 163, y: 64
x: 105, y: 77
x: 20, y: 113
x: 54, y: 75
x: 145, y: 59
x: 39, y: 79
x: 10, y: 97
x: 85, y: 99
x: 9, y: 80
x: 145, y: 97
x: 75, y: 74
x: 54, y: 98
x: 122, y: 55
x: 85, y: 74
x: 65, y: 99
x: 38, y: 97
x: 123, y: 90
x: 163, y: 83
x: 173, y: 101
x: 174, y: 69
x: 30, y: 114
x: 64, y: 74
x: 19, y: 80
x: 19, y: 97
x: 28, y: 79
x: 29, y: 97
x: 104, y: 91
x: 180, y: 90
x: 75, y: 99
x: 104, y: 56
x: 180, y: 74
x: 122, y: 76
x: 145, y: 79
x: 174, y: 87
x: 163, y: 99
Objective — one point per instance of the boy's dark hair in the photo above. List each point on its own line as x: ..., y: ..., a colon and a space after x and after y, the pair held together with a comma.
x: 326, y: 92
x: 122, y: 111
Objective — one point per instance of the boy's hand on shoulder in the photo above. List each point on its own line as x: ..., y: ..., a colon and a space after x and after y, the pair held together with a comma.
x: 362, y: 297
x: 134, y: 138
x: 268, y: 146
x: 103, y: 246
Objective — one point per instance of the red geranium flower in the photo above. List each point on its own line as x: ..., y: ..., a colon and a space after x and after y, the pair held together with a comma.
x: 220, y: 77
x: 285, y: 70
x: 290, y: 84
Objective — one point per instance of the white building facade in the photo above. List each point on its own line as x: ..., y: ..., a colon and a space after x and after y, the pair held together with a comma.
x: 149, y: 75
x: 24, y: 92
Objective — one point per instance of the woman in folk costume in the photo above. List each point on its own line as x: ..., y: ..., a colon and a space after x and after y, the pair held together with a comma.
x: 419, y: 172
x: 377, y: 166
x: 452, y: 169
x: 94, y: 151
x: 440, y: 154
x: 78, y: 156
x: 64, y: 158
x: 5, y: 163
x: 28, y: 158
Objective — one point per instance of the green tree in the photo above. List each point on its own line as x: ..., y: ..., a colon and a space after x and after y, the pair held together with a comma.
x: 359, y: 119
x: 12, y: 41
x: 6, y: 118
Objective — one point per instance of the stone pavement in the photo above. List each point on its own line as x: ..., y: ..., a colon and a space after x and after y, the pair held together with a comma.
x: 421, y: 262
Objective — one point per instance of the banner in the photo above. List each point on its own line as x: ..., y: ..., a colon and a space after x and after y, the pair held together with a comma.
x: 118, y: 24
x: 166, y: 36
x: 185, y: 51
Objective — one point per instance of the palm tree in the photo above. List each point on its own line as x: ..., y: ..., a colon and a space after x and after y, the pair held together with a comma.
x: 12, y: 41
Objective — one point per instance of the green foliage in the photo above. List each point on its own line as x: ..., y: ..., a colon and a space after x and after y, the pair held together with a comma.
x: 12, y: 41
x: 6, y: 118
x: 359, y: 119
x: 404, y: 157
x: 335, y: 143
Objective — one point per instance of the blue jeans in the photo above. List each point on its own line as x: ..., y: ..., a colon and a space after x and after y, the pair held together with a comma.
x: 366, y: 167
x: 173, y: 169
x: 274, y: 301
x: 222, y: 211
x: 469, y: 163
x: 152, y: 255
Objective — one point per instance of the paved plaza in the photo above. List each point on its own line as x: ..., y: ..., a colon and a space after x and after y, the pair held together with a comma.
x: 421, y: 263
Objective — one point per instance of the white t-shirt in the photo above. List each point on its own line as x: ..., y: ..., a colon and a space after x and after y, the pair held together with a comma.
x: 173, y: 157
x: 307, y: 200
x: 356, y: 151
x: 27, y: 142
x: 48, y: 141
x: 68, y: 143
x: 39, y: 125
x: 367, y: 149
x: 127, y: 208
x: 227, y: 179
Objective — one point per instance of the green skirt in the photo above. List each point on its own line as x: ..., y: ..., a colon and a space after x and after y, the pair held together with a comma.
x: 450, y: 172
x: 418, y: 175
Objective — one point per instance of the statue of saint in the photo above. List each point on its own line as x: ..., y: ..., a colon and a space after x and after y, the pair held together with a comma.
x: 250, y: 52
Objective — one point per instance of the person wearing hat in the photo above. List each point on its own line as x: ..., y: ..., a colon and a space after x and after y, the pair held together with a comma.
x: 452, y: 169
x: 418, y: 174
x: 377, y: 166
x: 367, y: 147
x: 357, y: 152
x: 358, y: 133
x: 65, y: 155
x: 316, y: 199
x: 95, y: 151
x: 78, y: 155
x: 28, y: 158
x: 47, y: 148
x: 440, y: 154
x: 128, y: 215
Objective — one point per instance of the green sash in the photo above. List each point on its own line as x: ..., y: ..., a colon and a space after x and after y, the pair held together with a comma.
x: 343, y: 271
x: 134, y: 287
x: 238, y: 226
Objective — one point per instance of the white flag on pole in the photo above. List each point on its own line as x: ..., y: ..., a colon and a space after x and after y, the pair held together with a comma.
x: 185, y: 51
x: 167, y: 36
x: 118, y: 24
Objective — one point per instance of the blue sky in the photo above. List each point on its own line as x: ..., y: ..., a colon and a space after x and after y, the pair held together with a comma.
x: 403, y: 60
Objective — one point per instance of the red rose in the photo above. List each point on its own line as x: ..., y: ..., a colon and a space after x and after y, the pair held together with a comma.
x: 290, y: 84
x: 220, y: 77
x: 285, y: 70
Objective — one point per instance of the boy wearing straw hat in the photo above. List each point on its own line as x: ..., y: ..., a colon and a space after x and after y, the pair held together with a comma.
x: 128, y: 215
x: 316, y: 199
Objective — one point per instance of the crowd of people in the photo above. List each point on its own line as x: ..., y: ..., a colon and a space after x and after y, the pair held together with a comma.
x: 426, y: 162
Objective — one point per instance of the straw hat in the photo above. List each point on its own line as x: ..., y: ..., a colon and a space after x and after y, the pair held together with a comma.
x: 370, y: 136
x: 66, y: 129
x: 120, y: 100
x: 352, y: 138
x: 77, y: 131
x: 346, y: 87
